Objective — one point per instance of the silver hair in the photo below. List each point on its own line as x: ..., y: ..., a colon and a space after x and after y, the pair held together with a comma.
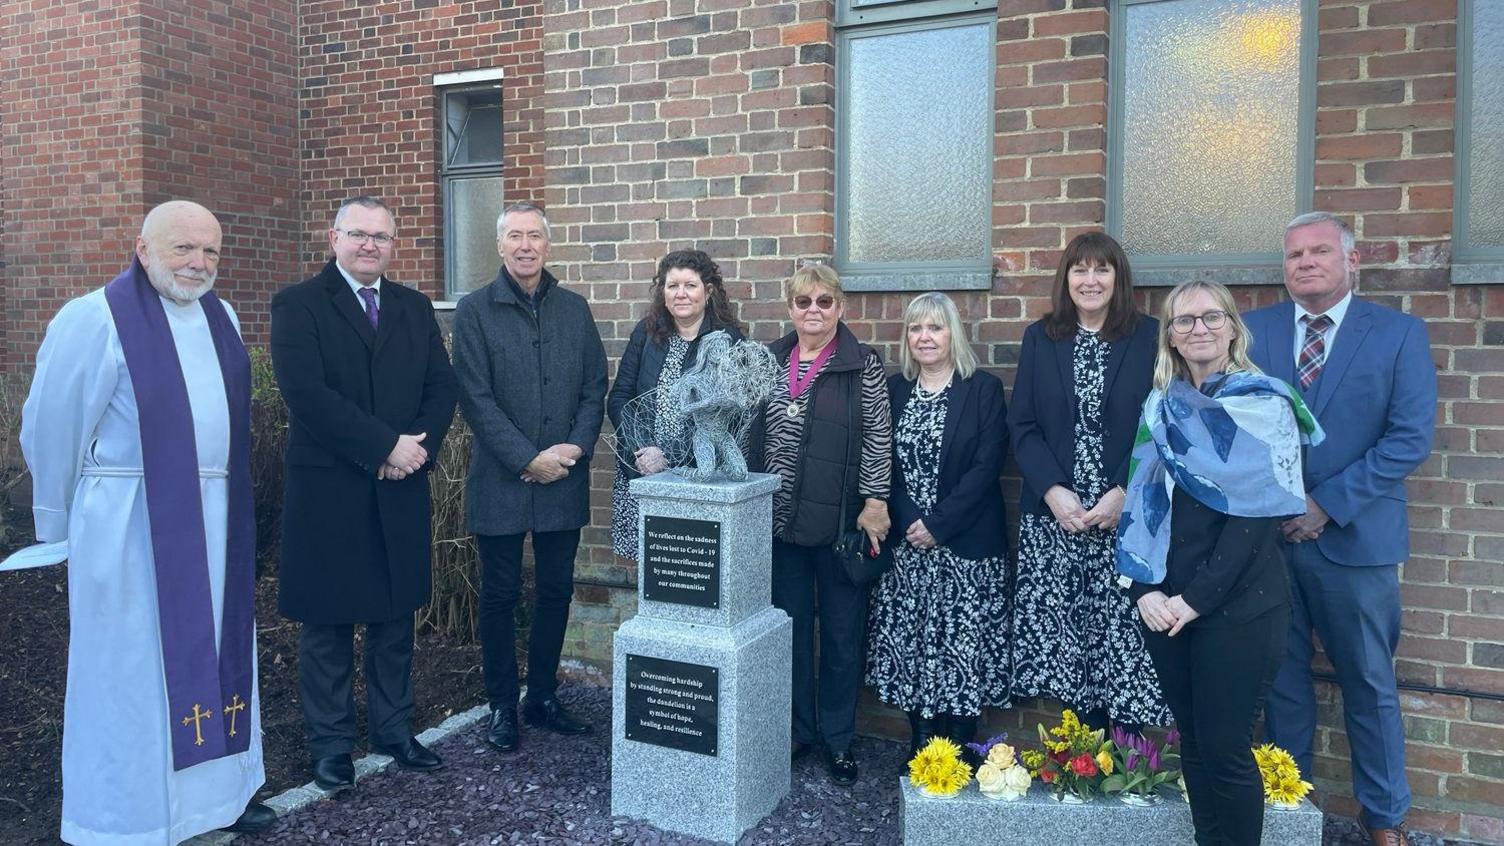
x: 1349, y: 240
x: 365, y: 202
x: 935, y: 305
x: 523, y: 207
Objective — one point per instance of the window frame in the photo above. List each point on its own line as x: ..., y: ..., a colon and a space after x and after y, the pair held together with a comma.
x: 1471, y: 265
x: 1248, y: 268
x: 464, y: 83
x: 890, y: 17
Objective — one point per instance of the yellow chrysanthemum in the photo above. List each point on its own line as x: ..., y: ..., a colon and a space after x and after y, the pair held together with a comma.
x: 1280, y: 774
x: 945, y: 779
x: 1033, y: 759
x: 1104, y: 761
x: 936, y: 755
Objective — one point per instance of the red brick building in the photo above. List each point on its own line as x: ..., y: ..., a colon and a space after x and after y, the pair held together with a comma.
x: 908, y: 142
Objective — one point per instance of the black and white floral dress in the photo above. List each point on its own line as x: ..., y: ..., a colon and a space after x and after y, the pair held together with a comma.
x: 668, y: 429
x: 1076, y: 634
x: 939, y: 622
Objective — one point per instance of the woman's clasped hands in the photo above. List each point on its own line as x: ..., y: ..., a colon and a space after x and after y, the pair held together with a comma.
x: 1162, y: 612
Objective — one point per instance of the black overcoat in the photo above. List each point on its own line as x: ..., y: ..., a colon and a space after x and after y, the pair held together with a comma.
x: 527, y: 383
x: 355, y: 548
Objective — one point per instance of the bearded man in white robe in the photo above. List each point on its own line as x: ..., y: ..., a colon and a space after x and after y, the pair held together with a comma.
x: 136, y: 431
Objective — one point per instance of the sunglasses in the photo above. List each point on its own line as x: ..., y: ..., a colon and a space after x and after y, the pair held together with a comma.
x: 825, y: 301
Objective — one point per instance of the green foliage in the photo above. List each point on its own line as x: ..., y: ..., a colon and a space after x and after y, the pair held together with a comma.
x: 268, y: 444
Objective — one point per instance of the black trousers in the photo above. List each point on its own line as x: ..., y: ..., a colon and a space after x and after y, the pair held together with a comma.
x: 823, y: 711
x: 501, y: 587
x: 326, y: 663
x: 1215, y: 680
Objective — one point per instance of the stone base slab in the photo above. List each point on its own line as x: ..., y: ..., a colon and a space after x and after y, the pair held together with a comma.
x: 975, y: 820
x: 715, y: 797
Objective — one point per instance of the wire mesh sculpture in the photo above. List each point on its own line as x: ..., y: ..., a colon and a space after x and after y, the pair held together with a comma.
x: 700, y: 420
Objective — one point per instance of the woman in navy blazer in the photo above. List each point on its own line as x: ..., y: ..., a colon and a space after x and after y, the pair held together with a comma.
x: 1083, y: 374
x: 937, y: 647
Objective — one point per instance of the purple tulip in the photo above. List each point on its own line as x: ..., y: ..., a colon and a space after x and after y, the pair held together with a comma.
x: 1173, y: 738
x: 1153, y: 760
x: 1133, y: 758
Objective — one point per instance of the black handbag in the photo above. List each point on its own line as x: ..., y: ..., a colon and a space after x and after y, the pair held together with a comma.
x: 861, y: 564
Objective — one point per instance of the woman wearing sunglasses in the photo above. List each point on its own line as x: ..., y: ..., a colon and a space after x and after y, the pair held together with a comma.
x: 826, y: 432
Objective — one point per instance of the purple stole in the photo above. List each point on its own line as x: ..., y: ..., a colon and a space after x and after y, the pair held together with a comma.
x: 207, y: 694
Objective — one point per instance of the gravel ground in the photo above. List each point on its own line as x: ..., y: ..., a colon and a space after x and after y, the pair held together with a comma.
x: 557, y: 791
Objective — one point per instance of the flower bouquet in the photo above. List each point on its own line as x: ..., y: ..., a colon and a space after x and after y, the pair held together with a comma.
x: 1000, y: 776
x: 1075, y: 762
x: 1283, y: 786
x: 938, y: 769
x: 1142, y: 767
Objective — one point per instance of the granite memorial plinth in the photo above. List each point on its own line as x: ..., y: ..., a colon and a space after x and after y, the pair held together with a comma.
x: 700, y: 676
x: 974, y: 819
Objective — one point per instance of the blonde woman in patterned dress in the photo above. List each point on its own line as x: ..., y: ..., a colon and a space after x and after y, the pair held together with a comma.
x: 938, y: 646
x: 1083, y: 374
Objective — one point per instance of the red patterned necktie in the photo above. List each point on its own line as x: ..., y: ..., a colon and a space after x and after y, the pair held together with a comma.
x: 1313, y: 351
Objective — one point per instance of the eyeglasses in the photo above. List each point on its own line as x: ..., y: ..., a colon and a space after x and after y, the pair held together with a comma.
x: 1185, y: 324
x: 381, y: 239
x: 825, y: 301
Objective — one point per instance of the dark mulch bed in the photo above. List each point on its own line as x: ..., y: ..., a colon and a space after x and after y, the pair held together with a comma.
x: 33, y: 669
x: 558, y: 791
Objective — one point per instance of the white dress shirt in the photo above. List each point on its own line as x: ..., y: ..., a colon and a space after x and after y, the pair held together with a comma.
x: 356, y: 286
x: 1336, y: 313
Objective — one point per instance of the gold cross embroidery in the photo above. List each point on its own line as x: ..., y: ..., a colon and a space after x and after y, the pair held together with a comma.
x: 197, y: 717
x: 231, y: 709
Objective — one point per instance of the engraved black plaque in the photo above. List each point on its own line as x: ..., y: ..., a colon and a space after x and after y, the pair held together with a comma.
x: 673, y: 704
x: 681, y: 561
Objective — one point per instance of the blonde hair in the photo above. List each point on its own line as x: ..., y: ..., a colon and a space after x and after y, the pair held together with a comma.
x: 1169, y: 365
x: 810, y: 277
x: 935, y: 305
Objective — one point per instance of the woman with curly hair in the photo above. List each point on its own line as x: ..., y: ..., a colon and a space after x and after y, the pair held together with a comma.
x: 689, y: 302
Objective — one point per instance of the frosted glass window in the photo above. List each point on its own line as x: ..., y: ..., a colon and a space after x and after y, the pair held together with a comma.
x: 1211, y: 112
x: 917, y: 149
x: 1485, y: 128
x: 474, y: 205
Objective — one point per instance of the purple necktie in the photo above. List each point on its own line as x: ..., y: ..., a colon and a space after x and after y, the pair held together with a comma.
x: 369, y: 295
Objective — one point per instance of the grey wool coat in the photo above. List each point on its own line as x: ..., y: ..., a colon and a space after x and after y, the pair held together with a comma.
x: 527, y: 383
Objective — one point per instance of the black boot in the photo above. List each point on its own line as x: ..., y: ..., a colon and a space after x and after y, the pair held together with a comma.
x: 963, y: 730
x: 921, y: 730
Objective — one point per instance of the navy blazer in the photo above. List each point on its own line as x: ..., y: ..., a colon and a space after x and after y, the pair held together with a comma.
x: 1376, y: 400
x: 968, y: 513
x: 1042, y: 414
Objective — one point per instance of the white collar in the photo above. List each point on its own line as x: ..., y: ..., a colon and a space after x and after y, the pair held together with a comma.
x: 1336, y: 312
x: 355, y: 284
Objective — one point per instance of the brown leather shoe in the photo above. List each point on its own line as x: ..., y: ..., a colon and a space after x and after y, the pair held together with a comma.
x: 1389, y: 836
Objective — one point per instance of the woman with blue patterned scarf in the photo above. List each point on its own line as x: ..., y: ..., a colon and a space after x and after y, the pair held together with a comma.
x: 1216, y: 467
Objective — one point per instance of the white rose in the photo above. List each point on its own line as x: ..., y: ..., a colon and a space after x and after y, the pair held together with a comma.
x: 1001, y: 756
x: 989, y: 778
x: 1016, y: 781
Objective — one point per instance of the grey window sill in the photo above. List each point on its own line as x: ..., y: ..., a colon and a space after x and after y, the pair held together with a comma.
x: 918, y: 281
x: 1230, y: 275
x: 1478, y: 273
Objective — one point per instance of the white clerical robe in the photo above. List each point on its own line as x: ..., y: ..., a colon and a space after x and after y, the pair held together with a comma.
x: 81, y: 438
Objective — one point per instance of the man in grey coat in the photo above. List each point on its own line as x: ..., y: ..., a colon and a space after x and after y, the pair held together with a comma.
x: 532, y: 376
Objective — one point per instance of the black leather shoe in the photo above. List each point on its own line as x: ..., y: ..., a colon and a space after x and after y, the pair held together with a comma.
x: 799, y: 750
x: 255, y: 819
x: 410, y: 755
x: 550, y: 714
x: 334, y: 772
x: 502, y: 732
x: 842, y: 766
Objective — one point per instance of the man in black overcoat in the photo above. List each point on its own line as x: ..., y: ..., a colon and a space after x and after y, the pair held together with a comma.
x: 532, y: 376
x: 370, y: 393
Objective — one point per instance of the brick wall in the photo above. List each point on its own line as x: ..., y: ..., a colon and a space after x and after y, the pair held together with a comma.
x: 70, y: 164
x: 370, y: 116
x: 671, y: 123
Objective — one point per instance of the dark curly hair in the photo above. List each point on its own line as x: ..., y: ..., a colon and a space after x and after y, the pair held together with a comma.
x: 717, y: 306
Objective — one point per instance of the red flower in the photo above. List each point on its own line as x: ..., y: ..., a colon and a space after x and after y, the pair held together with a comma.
x: 1084, y: 765
x: 1047, y: 776
x: 1061, y: 757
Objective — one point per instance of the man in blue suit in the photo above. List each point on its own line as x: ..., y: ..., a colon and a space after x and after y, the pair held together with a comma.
x: 1366, y: 373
